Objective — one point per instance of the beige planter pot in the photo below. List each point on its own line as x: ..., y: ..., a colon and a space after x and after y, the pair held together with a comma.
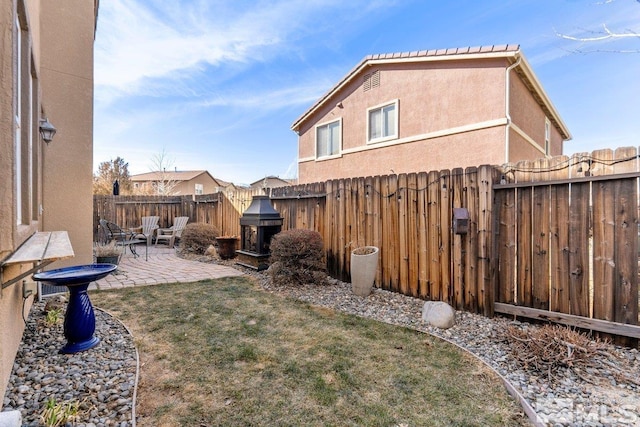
x: 363, y: 270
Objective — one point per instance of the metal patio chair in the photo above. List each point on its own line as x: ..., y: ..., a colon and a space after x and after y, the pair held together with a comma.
x: 124, y: 238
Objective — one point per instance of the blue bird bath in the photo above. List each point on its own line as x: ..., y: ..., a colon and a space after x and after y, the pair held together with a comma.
x: 79, y: 319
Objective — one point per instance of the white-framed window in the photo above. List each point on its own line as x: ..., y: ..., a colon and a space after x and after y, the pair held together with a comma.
x: 199, y: 189
x: 18, y: 118
x: 329, y: 139
x: 547, y: 135
x: 382, y: 122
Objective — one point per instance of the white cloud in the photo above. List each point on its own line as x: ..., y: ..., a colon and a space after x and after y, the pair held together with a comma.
x: 136, y: 44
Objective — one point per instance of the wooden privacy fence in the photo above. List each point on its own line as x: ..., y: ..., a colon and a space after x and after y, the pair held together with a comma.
x: 566, y: 241
x: 220, y: 209
x: 409, y: 217
x: 555, y: 239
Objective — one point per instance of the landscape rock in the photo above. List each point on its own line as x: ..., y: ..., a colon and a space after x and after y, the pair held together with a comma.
x: 212, y: 252
x: 439, y: 314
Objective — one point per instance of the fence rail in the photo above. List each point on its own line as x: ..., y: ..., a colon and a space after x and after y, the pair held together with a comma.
x: 557, y: 237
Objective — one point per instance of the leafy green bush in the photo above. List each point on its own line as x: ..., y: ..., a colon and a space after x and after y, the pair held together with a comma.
x: 197, y: 237
x: 297, y: 257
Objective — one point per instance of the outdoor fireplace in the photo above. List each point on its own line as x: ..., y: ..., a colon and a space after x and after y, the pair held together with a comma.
x: 259, y: 223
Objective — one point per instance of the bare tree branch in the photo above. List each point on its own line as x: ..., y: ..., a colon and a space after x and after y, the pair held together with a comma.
x: 605, y: 35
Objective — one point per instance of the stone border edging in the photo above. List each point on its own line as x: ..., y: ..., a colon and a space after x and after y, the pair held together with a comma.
x: 524, y: 403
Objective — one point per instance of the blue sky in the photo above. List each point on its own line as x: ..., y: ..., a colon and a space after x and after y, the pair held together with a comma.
x: 216, y: 84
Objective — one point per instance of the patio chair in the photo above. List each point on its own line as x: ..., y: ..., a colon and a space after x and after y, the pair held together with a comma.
x: 146, y: 230
x: 124, y: 238
x: 174, y: 232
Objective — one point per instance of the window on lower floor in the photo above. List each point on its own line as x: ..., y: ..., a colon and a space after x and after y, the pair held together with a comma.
x: 383, y: 122
x: 328, y: 139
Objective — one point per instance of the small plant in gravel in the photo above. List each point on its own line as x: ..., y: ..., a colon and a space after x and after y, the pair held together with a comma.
x: 53, y: 317
x: 60, y: 413
x: 297, y: 257
x: 197, y: 237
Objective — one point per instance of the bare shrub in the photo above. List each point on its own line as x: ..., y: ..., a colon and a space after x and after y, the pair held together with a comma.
x: 197, y: 237
x: 548, y: 349
x: 551, y: 347
x: 297, y: 257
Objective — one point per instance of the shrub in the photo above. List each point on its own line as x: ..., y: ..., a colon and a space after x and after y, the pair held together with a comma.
x: 197, y: 237
x: 297, y: 257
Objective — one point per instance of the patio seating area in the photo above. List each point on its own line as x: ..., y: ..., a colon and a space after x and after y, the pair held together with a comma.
x: 162, y: 266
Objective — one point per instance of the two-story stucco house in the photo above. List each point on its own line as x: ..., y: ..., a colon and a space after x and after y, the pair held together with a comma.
x: 429, y: 110
x: 176, y: 183
x: 46, y: 204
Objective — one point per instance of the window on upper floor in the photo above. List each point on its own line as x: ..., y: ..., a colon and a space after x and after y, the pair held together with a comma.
x: 382, y: 122
x: 328, y: 139
x: 199, y: 189
x: 547, y: 135
x: 26, y: 126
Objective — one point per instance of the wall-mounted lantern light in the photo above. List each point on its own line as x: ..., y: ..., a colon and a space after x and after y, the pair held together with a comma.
x: 47, y: 130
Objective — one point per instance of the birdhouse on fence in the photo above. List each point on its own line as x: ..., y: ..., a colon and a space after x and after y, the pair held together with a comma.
x: 460, y: 220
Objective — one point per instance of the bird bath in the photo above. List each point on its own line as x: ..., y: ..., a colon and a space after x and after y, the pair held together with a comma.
x: 79, y: 319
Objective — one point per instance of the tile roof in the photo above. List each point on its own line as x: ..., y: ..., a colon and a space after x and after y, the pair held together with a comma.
x: 433, y: 54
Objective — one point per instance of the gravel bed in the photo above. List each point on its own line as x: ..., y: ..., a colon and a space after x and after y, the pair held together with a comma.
x: 104, y: 378
x: 101, y: 380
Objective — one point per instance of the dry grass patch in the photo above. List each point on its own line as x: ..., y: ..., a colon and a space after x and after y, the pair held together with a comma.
x: 224, y: 352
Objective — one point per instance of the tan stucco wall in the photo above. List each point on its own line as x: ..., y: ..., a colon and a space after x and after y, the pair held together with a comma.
x: 7, y: 184
x: 64, y: 67
x: 67, y: 93
x: 189, y: 187
x: 462, y: 150
x: 527, y: 115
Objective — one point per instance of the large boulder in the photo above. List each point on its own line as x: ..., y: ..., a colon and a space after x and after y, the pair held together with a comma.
x: 439, y: 314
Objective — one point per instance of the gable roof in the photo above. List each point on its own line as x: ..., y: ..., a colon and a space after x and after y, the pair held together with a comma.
x: 510, y: 51
x: 171, y: 176
x: 271, y: 179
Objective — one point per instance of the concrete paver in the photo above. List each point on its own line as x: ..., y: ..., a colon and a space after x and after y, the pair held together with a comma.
x: 162, y: 266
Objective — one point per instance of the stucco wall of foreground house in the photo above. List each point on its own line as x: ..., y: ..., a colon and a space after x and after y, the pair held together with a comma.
x: 454, y: 151
x: 11, y: 325
x: 57, y: 48
x: 67, y: 89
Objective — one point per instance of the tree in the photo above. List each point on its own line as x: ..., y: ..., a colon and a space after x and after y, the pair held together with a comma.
x: 164, y: 184
x: 110, y: 171
x: 605, y: 35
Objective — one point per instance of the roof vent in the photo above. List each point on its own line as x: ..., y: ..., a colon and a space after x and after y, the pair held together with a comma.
x: 371, y: 80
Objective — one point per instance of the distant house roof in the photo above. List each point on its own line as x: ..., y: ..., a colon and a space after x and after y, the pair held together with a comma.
x: 272, y: 181
x: 172, y: 176
x: 511, y: 52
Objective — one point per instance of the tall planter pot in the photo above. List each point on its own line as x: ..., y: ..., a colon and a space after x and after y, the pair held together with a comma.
x: 364, y: 265
x: 227, y: 247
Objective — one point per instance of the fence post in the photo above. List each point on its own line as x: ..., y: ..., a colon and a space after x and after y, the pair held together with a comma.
x: 486, y: 271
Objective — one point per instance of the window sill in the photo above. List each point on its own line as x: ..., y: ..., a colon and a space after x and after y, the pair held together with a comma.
x: 41, y: 249
x: 334, y: 156
x: 384, y: 139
